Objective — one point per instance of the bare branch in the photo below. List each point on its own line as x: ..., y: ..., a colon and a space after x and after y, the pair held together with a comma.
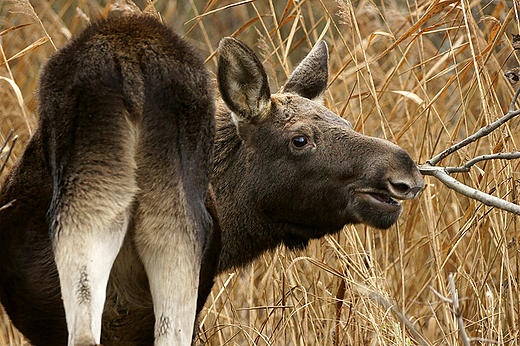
x: 484, y: 131
x: 443, y: 173
x: 492, y: 201
x: 466, y: 167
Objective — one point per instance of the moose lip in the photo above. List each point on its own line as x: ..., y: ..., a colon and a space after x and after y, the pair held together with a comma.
x: 383, y: 200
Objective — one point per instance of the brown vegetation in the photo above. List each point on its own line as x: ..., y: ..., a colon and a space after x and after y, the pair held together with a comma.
x: 421, y: 74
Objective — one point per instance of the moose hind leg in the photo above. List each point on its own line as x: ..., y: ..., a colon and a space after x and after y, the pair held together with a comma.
x: 89, y: 217
x: 84, y: 258
x: 170, y: 237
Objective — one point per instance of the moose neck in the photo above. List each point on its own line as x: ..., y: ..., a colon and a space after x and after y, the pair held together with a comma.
x: 246, y: 232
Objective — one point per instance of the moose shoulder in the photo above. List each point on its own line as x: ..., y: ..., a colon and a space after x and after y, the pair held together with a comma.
x: 286, y: 170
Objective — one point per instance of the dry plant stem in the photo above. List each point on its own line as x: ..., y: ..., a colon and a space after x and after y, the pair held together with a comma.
x: 458, y: 313
x: 479, y: 134
x: 421, y: 340
x: 10, y: 149
x: 492, y: 201
x: 456, y: 309
x: 6, y: 141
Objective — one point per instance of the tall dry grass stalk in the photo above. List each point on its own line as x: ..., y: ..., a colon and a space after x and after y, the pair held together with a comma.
x: 423, y: 74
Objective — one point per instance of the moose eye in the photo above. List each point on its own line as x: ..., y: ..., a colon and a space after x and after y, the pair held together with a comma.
x: 299, y: 141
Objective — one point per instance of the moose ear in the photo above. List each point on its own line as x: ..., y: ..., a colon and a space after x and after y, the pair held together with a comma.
x: 242, y: 80
x: 310, y: 77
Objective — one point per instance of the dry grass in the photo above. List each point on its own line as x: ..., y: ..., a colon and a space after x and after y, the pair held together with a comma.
x: 423, y: 78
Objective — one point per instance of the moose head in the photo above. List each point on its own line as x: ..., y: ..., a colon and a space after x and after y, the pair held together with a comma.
x: 290, y: 170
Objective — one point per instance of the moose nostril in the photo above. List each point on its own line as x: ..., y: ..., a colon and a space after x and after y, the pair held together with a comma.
x: 400, y: 188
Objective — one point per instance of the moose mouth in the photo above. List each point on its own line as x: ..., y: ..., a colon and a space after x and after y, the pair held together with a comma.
x: 377, y: 208
x: 382, y: 200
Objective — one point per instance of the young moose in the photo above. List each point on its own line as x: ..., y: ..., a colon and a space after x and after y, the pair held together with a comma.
x: 113, y: 227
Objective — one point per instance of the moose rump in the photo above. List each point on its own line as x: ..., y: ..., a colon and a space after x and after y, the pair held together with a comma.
x: 125, y: 143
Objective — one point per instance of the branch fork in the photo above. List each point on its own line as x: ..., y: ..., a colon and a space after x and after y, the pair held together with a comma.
x: 443, y: 173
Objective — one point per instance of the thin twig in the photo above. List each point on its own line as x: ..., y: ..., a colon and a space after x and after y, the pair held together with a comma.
x: 492, y: 201
x: 466, y: 167
x: 479, y: 134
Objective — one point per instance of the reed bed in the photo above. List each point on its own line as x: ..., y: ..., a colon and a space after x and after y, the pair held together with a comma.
x: 424, y: 75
